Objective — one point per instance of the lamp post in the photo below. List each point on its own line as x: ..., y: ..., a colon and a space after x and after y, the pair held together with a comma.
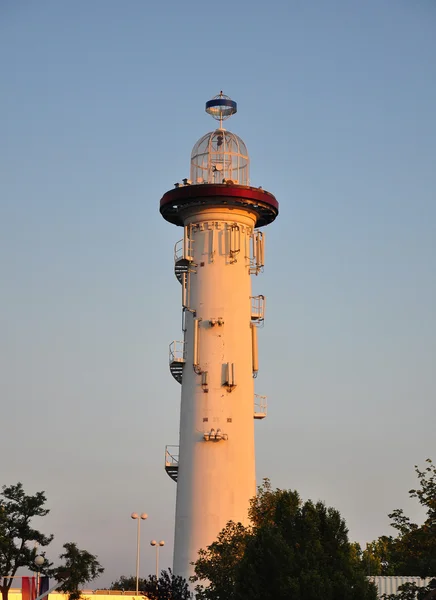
x: 142, y: 516
x: 157, y: 545
x: 38, y: 562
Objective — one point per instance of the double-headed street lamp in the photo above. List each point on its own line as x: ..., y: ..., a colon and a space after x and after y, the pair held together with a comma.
x: 157, y: 545
x: 143, y: 516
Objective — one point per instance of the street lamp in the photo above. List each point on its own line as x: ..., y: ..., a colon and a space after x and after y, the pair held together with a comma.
x: 157, y: 544
x: 38, y: 562
x: 143, y: 516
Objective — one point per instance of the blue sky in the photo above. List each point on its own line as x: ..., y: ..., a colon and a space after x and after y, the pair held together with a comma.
x: 101, y: 103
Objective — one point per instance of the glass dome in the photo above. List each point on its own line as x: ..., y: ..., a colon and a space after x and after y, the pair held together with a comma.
x: 220, y: 155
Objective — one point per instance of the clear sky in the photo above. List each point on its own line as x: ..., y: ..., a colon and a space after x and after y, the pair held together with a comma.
x: 101, y: 103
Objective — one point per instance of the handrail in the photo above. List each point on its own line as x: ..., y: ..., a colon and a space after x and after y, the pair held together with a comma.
x: 260, y: 404
x: 171, y: 458
x: 177, y: 351
x: 178, y: 251
x: 183, y: 249
x: 258, y: 304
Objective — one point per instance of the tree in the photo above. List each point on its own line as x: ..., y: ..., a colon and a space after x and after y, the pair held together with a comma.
x: 16, y: 512
x: 218, y: 563
x: 128, y: 584
x: 81, y: 567
x: 411, y: 591
x: 167, y: 587
x: 378, y: 557
x: 293, y: 550
x: 413, y: 550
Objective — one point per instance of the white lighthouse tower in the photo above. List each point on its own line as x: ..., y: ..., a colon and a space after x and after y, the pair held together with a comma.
x: 217, y: 360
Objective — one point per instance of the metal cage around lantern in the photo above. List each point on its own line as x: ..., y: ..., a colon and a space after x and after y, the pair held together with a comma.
x: 220, y: 156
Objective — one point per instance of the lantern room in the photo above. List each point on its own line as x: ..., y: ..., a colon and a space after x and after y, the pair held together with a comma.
x: 220, y: 156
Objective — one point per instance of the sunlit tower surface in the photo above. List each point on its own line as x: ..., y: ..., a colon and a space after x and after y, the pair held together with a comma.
x: 217, y: 360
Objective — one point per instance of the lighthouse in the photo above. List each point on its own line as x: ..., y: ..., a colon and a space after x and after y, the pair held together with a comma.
x: 216, y: 359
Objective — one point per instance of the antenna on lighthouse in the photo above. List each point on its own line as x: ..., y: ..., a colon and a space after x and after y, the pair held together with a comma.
x: 221, y: 107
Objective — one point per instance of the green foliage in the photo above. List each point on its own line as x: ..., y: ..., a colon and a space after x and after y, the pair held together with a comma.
x: 413, y: 550
x: 167, y: 587
x: 218, y: 563
x: 79, y: 568
x: 410, y: 591
x: 292, y: 551
x: 128, y: 584
x: 378, y: 557
x: 17, y: 510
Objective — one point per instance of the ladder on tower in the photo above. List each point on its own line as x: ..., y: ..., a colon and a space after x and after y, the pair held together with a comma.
x: 172, y: 461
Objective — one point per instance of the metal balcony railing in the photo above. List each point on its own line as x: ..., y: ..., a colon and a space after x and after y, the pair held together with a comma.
x: 260, y: 406
x: 177, y: 359
x: 182, y: 258
x: 258, y: 310
x: 172, y: 461
x: 178, y: 251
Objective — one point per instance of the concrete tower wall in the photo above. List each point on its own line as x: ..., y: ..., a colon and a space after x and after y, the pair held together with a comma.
x: 216, y: 479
